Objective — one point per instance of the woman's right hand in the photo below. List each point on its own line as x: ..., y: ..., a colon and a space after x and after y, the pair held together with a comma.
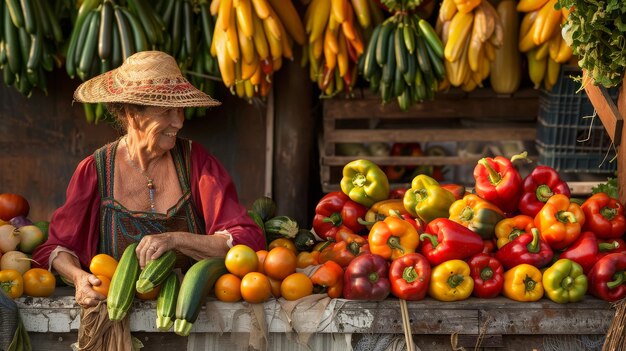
x: 86, y: 296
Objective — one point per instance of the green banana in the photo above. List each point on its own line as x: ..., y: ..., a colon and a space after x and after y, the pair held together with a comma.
x: 105, y: 39
x: 176, y: 27
x: 398, y: 82
x: 12, y: 45
x: 207, y: 24
x: 15, y: 12
x: 30, y: 16
x: 52, y: 20
x: 136, y: 7
x: 126, y: 40
x: 90, y: 48
x: 409, y: 75
x: 116, y: 50
x: 436, y: 63
x: 400, y: 50
x: 370, y: 65
x: 422, y: 55
x: 382, y: 43
x: 139, y: 35
x: 431, y: 37
x: 36, y: 52
x: 189, y: 28
x: 82, y: 38
x: 408, y: 34
x: 389, y: 66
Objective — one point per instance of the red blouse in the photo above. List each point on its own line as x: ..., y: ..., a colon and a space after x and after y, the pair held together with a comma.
x: 75, y: 225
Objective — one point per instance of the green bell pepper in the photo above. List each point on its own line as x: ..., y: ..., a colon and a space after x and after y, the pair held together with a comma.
x: 427, y: 199
x: 477, y: 214
x: 364, y: 182
x: 565, y: 281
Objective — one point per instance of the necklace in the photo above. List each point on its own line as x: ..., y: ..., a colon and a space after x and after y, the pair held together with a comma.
x: 150, y: 183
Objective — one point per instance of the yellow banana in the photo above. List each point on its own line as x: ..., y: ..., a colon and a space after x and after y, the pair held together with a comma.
x: 348, y: 25
x: 243, y: 10
x: 249, y: 88
x: 224, y: 14
x: 331, y: 40
x: 329, y: 55
x: 484, y: 22
x: 530, y: 5
x: 342, y: 55
x: 536, y: 68
x: 362, y: 10
x: 276, y: 49
x: 447, y: 10
x: 457, y: 71
x: 474, y: 51
x: 490, y: 51
x: 497, y: 37
x: 257, y: 76
x: 565, y: 53
x: 554, y: 45
x: 445, y: 32
x: 546, y: 23
x: 272, y: 26
x: 232, y: 44
x: 313, y: 64
x: 339, y: 10
x: 285, y: 39
x: 248, y: 69
x: 485, y: 69
x: 458, y: 36
x: 542, y: 51
x: 238, y: 81
x: 552, y: 74
x: 332, y: 22
x: 225, y: 63
x: 262, y: 8
x: 214, y: 7
x: 246, y: 45
x: 290, y: 19
x: 277, y: 64
x: 527, y: 24
x: 320, y: 10
x: 260, y: 42
x: 317, y: 47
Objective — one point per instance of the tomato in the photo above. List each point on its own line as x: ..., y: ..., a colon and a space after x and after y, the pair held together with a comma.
x: 150, y: 295
x: 275, y: 285
x: 103, y: 288
x: 279, y: 263
x: 295, y: 286
x: 284, y: 242
x: 261, y: 254
x: 13, y: 205
x: 255, y: 287
x: 39, y: 282
x: 12, y: 283
x: 241, y: 260
x: 228, y: 288
x: 103, y: 264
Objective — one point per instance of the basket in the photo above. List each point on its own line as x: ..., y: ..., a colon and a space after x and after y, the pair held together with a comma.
x: 569, y: 137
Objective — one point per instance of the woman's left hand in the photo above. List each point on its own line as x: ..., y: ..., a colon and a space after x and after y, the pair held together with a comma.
x: 153, y: 246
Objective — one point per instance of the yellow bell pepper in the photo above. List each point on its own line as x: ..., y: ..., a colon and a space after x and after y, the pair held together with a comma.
x: 451, y: 281
x: 523, y: 283
x: 383, y: 209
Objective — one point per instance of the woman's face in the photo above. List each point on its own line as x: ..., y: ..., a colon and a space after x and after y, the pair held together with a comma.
x: 158, y: 126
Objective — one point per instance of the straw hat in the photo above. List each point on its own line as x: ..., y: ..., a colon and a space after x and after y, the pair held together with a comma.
x: 145, y: 78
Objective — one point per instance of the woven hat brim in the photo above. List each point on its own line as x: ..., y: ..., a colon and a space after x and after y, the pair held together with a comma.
x: 100, y: 89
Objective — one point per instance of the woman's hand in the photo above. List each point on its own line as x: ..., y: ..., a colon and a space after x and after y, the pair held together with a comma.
x: 86, y: 296
x: 153, y: 246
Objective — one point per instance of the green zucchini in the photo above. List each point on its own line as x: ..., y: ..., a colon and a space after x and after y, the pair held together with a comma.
x: 281, y: 226
x: 166, y: 302
x: 265, y: 207
x: 155, y: 272
x: 197, y: 283
x: 122, y: 288
x: 304, y: 240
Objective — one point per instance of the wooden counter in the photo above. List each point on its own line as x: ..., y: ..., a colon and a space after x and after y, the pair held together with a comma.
x: 501, y: 323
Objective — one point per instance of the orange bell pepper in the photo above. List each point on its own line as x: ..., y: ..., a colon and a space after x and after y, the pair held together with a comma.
x: 393, y: 238
x: 328, y: 279
x: 559, y: 221
x: 510, y: 228
x: 12, y: 283
x: 383, y: 209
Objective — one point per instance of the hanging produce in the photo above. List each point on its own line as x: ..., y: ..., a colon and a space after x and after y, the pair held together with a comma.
x: 404, y: 57
x: 471, y: 31
x: 540, y: 38
x: 29, y: 36
x: 336, y: 41
x: 251, y: 38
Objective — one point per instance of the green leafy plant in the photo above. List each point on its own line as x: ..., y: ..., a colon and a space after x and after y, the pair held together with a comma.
x: 610, y: 188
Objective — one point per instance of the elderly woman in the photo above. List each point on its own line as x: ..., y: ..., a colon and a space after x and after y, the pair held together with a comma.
x: 149, y: 186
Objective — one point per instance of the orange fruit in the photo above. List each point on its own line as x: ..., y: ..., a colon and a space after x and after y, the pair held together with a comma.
x: 255, y: 287
x: 228, y: 288
x: 295, y: 286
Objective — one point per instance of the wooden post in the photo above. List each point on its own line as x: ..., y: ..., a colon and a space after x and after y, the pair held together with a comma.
x: 611, y: 117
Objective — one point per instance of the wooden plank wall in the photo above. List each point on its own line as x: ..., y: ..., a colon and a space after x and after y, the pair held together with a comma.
x: 42, y: 139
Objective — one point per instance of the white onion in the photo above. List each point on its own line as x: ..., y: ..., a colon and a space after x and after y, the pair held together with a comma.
x: 9, y: 238
x: 15, y: 260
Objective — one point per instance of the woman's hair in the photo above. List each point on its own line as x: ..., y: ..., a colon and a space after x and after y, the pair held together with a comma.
x: 116, y: 109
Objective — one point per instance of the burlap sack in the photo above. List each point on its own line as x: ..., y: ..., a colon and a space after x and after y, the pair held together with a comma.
x: 97, y: 332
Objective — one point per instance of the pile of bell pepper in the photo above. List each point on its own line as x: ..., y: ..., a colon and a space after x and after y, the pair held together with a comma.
x: 524, y: 238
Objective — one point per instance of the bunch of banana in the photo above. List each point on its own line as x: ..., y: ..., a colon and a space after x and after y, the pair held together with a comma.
x: 470, y: 36
x: 540, y: 38
x: 250, y: 39
x: 404, y: 60
x: 29, y: 35
x: 336, y: 41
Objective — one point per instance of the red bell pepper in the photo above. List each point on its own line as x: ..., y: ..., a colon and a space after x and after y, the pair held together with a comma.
x: 488, y: 275
x: 397, y: 193
x: 334, y: 211
x: 409, y: 276
x: 607, y: 278
x: 457, y: 190
x: 527, y: 248
x: 614, y: 246
x: 366, y: 278
x: 604, y: 216
x: 328, y: 278
x: 489, y: 246
x: 447, y: 240
x: 345, y: 249
x: 585, y: 250
x: 499, y: 182
x: 538, y: 186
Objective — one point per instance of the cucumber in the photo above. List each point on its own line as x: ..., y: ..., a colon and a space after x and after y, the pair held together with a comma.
x: 155, y: 272
x: 198, y: 281
x: 166, y: 302
x: 122, y: 288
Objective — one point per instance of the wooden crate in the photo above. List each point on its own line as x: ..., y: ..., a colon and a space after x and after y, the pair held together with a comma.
x: 454, y: 116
